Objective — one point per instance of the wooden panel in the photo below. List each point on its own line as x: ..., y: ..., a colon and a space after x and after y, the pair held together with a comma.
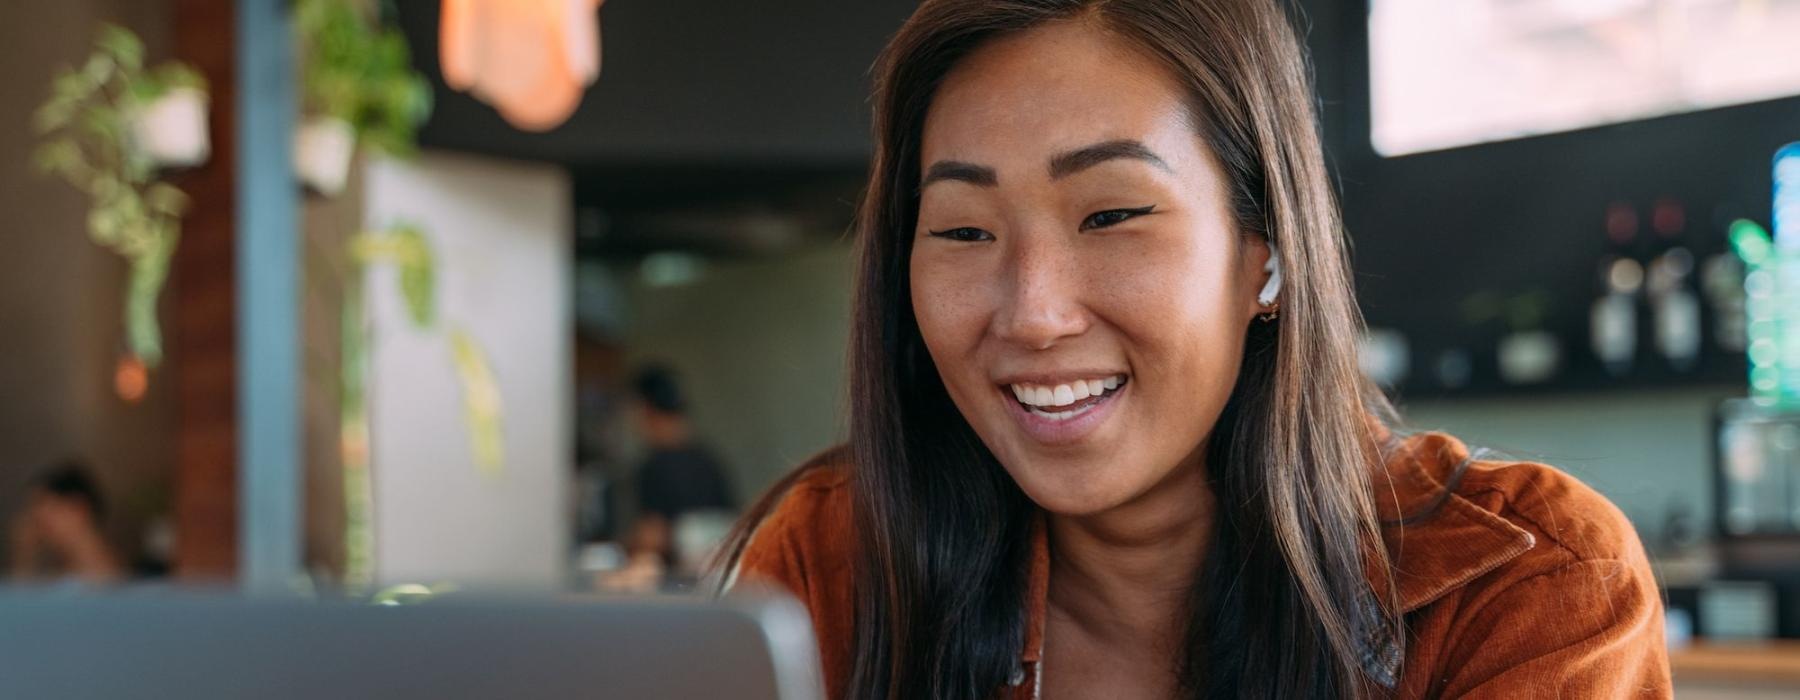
x: 328, y: 224
x: 204, y: 292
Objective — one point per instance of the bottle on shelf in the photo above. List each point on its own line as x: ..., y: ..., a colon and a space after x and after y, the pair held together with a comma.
x: 1612, y: 322
x: 1674, y: 305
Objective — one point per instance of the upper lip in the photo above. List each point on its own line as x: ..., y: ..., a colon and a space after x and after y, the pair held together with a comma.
x: 1055, y: 377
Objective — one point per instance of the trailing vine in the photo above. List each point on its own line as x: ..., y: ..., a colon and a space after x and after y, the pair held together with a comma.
x: 86, y: 126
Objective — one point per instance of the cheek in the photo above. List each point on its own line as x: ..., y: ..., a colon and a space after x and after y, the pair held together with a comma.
x: 1173, y: 301
x: 946, y: 305
x: 1179, y: 309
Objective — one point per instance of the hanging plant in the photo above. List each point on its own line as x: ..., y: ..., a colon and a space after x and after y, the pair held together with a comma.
x: 108, y: 127
x: 358, y: 88
x: 405, y: 248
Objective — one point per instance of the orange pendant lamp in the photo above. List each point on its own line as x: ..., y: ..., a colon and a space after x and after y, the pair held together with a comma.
x: 530, y: 59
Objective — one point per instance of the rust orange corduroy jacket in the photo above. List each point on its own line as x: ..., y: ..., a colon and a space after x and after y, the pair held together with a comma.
x: 1524, y: 584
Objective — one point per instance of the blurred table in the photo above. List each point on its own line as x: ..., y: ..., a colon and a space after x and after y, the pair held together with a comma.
x: 1737, y: 671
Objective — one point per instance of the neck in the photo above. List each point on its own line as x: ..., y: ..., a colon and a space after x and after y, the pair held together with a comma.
x: 1125, y: 575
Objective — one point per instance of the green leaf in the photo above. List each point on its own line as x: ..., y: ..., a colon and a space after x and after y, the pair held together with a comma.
x: 482, y: 405
x: 104, y: 225
x: 310, y: 17
x: 146, y: 90
x: 391, y: 53
x: 175, y: 75
x: 360, y: 71
x: 69, y: 85
x: 99, y: 69
x: 122, y: 45
x: 129, y: 207
x: 138, y: 166
x: 103, y: 125
x: 53, y: 115
x: 166, y: 78
x: 105, y: 189
x: 58, y: 157
x: 56, y: 112
x: 165, y: 199
x: 142, y: 333
x: 418, y: 275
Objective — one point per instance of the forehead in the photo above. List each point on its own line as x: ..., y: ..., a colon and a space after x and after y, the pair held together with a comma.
x: 1064, y: 85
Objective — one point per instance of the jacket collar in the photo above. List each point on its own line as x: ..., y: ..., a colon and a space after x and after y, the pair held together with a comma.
x: 1430, y: 553
x: 1437, y: 540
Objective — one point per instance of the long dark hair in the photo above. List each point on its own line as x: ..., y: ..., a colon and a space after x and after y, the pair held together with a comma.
x: 942, y: 531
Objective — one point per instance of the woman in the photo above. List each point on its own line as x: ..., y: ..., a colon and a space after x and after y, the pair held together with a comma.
x: 1108, y: 436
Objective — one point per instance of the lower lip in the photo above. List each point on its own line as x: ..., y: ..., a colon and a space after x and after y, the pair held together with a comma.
x: 1062, y: 432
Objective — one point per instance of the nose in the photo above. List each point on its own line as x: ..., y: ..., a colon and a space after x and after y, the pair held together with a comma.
x: 1042, y: 303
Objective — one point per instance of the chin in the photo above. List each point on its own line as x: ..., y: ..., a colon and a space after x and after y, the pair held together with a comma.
x: 1071, y: 490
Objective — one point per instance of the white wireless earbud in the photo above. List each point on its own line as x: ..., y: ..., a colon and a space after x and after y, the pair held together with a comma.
x: 1267, y: 296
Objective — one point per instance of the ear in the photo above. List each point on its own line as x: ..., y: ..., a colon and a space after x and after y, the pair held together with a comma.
x: 1263, y: 266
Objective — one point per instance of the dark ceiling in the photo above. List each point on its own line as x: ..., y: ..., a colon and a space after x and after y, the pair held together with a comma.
x: 720, y: 127
x: 697, y: 83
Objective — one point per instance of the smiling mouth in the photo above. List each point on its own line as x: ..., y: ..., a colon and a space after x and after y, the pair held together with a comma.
x: 1064, y: 401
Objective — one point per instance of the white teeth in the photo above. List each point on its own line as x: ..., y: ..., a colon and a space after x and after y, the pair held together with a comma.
x: 1064, y: 394
x: 1062, y: 415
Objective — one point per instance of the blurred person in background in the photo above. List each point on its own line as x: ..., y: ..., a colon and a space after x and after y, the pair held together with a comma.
x: 682, y: 488
x: 58, y: 535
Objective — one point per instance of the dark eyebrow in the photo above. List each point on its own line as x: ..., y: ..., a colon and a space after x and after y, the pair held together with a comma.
x: 1071, y: 162
x: 961, y: 172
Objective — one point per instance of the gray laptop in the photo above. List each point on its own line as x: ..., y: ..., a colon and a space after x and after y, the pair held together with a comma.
x: 65, y: 646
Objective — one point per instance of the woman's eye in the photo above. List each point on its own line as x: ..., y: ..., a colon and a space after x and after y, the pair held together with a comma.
x: 1112, y: 217
x: 964, y: 234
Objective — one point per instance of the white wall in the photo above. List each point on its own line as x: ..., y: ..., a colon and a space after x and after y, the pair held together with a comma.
x: 500, y: 231
x: 759, y: 347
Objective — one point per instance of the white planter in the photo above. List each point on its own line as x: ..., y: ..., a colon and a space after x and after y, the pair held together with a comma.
x: 171, y: 130
x: 323, y: 148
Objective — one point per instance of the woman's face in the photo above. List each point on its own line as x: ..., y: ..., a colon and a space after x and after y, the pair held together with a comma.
x: 1076, y: 273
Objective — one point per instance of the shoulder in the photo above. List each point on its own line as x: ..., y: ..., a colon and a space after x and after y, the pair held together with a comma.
x: 804, y: 545
x: 804, y: 539
x: 1470, y: 526
x: 1523, y: 579
x: 1566, y: 519
x: 817, y: 494
x: 1561, y: 519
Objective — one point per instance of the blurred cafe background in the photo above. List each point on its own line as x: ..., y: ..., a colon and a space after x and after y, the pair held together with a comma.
x: 332, y: 296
